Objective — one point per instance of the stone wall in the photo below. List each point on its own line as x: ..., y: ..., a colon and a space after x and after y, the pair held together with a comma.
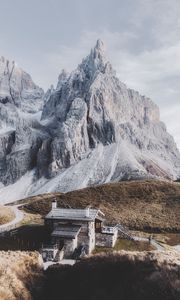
x: 86, y: 236
x: 91, y: 235
x: 106, y: 240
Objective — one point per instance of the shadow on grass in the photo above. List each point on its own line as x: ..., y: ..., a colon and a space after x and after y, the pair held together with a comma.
x: 27, y: 237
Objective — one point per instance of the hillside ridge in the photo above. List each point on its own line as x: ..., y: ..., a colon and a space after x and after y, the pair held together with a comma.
x: 143, y: 205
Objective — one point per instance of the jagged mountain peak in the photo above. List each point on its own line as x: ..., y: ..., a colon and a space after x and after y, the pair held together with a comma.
x: 100, y: 45
x: 93, y: 130
x: 77, y: 83
x: 62, y: 79
x: 10, y: 68
x: 4, y: 60
x: 94, y: 108
x: 18, y: 88
x: 95, y: 61
x: 99, y: 51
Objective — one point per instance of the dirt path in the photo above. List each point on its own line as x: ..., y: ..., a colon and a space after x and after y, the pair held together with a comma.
x: 157, y: 245
x: 19, y: 215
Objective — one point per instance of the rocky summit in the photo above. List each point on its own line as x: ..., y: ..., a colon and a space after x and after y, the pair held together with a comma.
x: 89, y: 130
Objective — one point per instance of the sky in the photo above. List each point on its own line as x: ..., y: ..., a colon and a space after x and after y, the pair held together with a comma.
x: 142, y: 38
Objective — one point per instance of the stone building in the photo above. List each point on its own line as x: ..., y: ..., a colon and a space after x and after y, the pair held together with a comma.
x: 73, y: 229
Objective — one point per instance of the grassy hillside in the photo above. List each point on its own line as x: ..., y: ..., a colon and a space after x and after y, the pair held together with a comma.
x: 122, y: 275
x: 20, y: 275
x: 6, y: 215
x: 143, y: 205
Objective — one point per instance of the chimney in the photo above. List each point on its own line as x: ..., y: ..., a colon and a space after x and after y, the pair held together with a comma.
x: 87, y: 211
x: 54, y: 204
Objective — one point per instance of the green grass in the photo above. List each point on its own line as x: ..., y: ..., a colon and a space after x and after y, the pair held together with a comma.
x: 123, y: 244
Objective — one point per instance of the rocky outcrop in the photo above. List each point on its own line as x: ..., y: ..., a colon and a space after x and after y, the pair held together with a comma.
x: 93, y: 129
x: 20, y: 103
x: 17, y: 87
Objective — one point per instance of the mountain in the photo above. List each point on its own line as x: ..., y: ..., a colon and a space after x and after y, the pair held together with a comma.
x: 93, y: 129
x: 17, y: 87
x: 20, y: 104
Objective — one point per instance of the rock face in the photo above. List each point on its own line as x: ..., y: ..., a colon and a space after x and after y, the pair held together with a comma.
x: 20, y: 103
x: 17, y: 87
x: 92, y: 109
x: 93, y: 129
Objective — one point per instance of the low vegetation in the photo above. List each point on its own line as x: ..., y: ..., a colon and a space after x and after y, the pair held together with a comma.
x: 6, y: 215
x: 119, y: 275
x: 111, y: 274
x: 143, y: 205
x: 124, y: 244
x: 20, y: 275
x: 122, y: 275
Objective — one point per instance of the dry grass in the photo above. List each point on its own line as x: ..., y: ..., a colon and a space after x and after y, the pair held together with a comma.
x: 119, y: 275
x: 32, y: 219
x: 143, y: 205
x: 20, y: 275
x: 6, y: 215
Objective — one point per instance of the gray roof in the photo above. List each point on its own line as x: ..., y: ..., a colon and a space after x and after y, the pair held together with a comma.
x: 75, y: 214
x: 67, y: 231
